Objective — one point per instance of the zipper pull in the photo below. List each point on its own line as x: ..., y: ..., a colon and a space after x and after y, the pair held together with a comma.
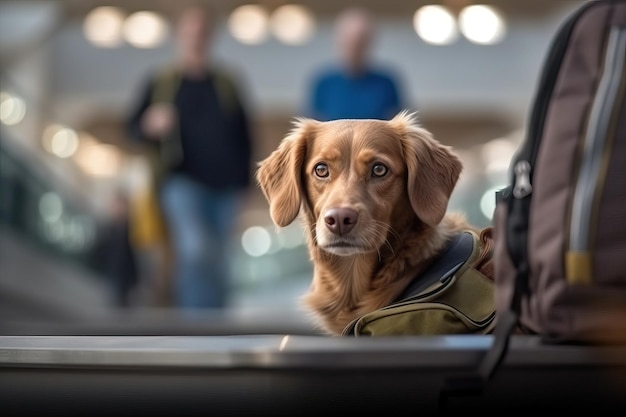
x: 522, y: 186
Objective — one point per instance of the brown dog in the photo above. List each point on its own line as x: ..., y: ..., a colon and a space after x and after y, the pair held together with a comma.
x: 373, y: 197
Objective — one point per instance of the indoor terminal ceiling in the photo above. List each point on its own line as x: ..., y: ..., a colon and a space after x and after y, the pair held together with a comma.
x: 383, y: 8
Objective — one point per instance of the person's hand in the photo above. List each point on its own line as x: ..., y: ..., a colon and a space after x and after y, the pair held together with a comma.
x: 158, y: 120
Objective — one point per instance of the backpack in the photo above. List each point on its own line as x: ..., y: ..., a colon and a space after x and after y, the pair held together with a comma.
x: 454, y: 295
x: 560, y: 251
x: 560, y: 224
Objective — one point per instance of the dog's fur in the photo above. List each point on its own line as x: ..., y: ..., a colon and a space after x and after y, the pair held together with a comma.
x: 394, y: 220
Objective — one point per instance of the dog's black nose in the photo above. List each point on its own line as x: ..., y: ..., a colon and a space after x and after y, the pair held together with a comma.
x: 340, y: 220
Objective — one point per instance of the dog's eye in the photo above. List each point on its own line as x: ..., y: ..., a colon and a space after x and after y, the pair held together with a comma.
x: 379, y: 170
x: 321, y: 170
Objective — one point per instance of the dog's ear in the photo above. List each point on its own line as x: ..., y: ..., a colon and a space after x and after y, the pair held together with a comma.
x: 280, y: 174
x: 433, y: 169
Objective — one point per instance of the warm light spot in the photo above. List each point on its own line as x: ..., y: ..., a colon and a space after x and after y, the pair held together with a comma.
x: 482, y: 24
x: 98, y: 159
x: 249, y: 24
x: 292, y: 24
x: 435, y: 25
x: 145, y: 29
x: 103, y: 26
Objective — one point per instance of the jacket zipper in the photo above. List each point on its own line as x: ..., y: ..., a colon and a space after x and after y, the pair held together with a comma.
x: 597, y: 145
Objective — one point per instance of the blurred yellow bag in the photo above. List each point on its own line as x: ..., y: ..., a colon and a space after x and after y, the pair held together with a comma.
x: 147, y: 225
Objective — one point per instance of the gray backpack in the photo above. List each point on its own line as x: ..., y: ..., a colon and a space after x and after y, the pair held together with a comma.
x: 560, y: 228
x: 560, y: 225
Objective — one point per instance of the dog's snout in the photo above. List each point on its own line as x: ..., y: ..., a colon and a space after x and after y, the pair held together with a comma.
x: 340, y: 220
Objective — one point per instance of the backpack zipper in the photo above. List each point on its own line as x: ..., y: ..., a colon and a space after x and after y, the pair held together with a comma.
x: 523, y: 187
x: 594, y: 163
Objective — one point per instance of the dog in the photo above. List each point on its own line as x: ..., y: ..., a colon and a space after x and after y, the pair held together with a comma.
x: 373, y: 197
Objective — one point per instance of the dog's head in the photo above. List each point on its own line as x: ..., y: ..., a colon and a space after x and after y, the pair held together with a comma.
x: 356, y: 181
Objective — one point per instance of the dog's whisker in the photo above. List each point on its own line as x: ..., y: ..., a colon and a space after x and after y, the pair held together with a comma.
x: 376, y: 233
x: 384, y: 230
x: 392, y: 231
x: 388, y: 245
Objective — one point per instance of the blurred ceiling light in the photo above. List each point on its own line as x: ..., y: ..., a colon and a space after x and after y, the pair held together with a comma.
x: 256, y: 241
x: 145, y: 29
x: 435, y: 25
x: 249, y: 24
x: 12, y: 109
x: 103, y: 26
x: 98, y: 159
x: 292, y: 24
x: 61, y: 141
x: 482, y: 24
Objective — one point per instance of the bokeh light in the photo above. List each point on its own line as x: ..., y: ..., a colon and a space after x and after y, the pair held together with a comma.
x: 249, y: 24
x: 96, y: 158
x: 103, y: 26
x: 256, y: 241
x: 60, y: 140
x: 435, y: 25
x: 145, y: 29
x: 488, y: 202
x: 292, y: 24
x: 12, y: 109
x: 482, y: 24
x: 50, y: 207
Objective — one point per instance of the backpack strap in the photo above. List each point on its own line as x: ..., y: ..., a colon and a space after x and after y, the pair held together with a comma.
x: 467, y: 257
x: 455, y: 255
x: 165, y: 86
x: 167, y: 83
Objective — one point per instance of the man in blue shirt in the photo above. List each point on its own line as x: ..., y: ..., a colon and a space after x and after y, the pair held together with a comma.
x: 354, y: 89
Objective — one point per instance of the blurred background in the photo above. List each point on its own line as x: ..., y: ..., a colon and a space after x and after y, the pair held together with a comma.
x: 71, y: 70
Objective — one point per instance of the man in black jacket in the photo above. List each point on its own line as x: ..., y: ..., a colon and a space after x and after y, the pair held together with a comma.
x: 192, y: 116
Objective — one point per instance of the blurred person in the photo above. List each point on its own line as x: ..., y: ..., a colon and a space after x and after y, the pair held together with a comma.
x: 116, y: 253
x: 193, y: 115
x: 354, y: 88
